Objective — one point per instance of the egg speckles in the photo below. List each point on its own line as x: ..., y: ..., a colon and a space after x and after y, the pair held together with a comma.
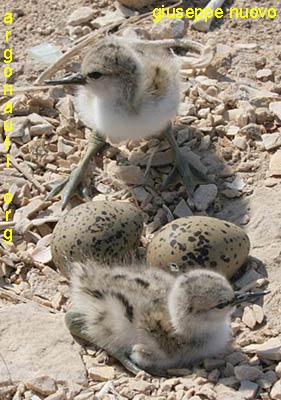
x: 102, y: 230
x: 197, y: 240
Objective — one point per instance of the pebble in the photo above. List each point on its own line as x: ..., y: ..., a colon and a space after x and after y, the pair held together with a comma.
x: 237, y: 116
x: 130, y: 174
x: 81, y: 16
x: 264, y: 75
x: 271, y: 140
x: 168, y: 29
x: 212, y: 363
x: 260, y: 62
x: 252, y: 131
x: 230, y: 396
x: 250, y: 276
x: 43, y: 385
x: 268, y: 379
x: 231, y: 193
x: 275, y: 392
x: 237, y: 184
x: 275, y: 164
x: 102, y: 374
x: 278, y: 370
x: 248, y: 389
x: 204, y: 196
x: 249, y: 317
x: 59, y: 395
x: 205, y: 143
x: 141, y: 386
x: 142, y: 195
x: 19, y: 124
x: 182, y: 210
x: 108, y: 18
x: 259, y: 313
x: 246, y: 372
x: 235, y: 358
x: 203, y: 113
x: 263, y: 114
x: 270, y: 350
x: 275, y: 108
x: 240, y: 142
x: 232, y: 130
x: 40, y: 130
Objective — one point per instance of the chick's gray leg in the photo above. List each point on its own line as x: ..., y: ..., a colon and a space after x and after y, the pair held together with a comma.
x: 190, y: 174
x: 70, y: 184
x: 76, y: 325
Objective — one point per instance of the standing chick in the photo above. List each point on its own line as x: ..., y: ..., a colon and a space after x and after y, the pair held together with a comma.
x: 150, y: 319
x: 127, y: 90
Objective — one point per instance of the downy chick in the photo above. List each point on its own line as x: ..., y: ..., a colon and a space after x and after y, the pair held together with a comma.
x: 127, y: 90
x: 150, y: 319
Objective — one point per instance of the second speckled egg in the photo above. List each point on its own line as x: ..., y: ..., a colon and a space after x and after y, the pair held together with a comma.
x: 197, y: 240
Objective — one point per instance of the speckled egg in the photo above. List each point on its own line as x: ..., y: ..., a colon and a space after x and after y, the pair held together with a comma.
x: 205, y: 241
x: 102, y: 230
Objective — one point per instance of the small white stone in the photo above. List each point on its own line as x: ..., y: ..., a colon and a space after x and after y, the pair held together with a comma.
x: 240, y: 142
x: 259, y: 314
x: 270, y: 350
x: 275, y: 108
x: 275, y: 392
x: 232, y: 130
x: 203, y: 113
x: 271, y: 140
x: 275, y: 164
x: 249, y: 317
x: 264, y: 74
x: 81, y: 16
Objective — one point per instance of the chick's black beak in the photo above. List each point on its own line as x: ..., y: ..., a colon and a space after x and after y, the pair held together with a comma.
x: 75, y: 79
x: 248, y: 296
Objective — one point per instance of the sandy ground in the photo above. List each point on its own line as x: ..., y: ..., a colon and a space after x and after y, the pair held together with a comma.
x: 31, y: 285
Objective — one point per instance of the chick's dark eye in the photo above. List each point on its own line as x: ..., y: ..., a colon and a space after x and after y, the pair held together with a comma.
x: 222, y: 305
x: 95, y: 75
